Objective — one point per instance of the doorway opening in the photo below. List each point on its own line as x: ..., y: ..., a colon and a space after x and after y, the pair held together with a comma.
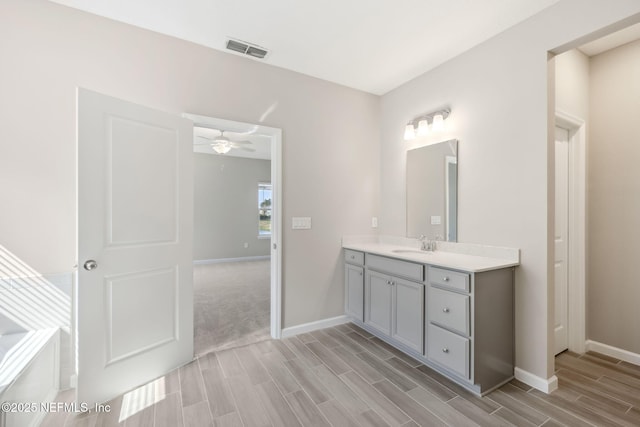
x: 578, y: 95
x: 237, y: 202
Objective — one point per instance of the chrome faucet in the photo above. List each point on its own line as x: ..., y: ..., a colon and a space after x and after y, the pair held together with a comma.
x: 426, y: 244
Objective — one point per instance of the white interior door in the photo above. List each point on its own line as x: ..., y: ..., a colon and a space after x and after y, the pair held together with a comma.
x: 561, y: 238
x: 135, y: 280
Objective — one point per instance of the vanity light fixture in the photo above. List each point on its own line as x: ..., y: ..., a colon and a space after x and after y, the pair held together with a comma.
x: 436, y: 118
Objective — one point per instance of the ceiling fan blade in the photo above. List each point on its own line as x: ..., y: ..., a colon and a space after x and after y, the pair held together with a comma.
x: 204, y: 137
x: 238, y: 144
x: 242, y: 142
x: 245, y: 149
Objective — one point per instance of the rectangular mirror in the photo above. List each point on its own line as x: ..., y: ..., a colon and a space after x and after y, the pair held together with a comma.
x: 432, y: 191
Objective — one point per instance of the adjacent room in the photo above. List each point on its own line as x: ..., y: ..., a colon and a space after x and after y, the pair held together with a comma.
x: 232, y: 238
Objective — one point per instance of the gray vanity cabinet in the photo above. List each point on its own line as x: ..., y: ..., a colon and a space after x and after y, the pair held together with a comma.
x: 408, y: 313
x: 354, y: 284
x: 378, y: 299
x: 458, y: 322
x: 395, y: 306
x: 470, y: 324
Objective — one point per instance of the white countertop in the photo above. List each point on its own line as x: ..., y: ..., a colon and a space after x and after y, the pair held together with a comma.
x: 460, y: 256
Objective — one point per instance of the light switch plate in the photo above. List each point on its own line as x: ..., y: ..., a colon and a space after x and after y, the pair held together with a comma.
x: 374, y: 222
x: 436, y: 220
x: 301, y: 222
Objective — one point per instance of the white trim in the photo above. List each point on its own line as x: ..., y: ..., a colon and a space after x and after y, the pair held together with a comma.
x: 544, y: 385
x: 223, y: 260
x: 276, y: 208
x: 276, y: 232
x: 616, y: 352
x: 314, y: 326
x: 448, y: 160
x: 576, y: 286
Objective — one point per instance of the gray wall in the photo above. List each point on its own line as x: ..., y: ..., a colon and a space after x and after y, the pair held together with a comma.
x: 572, y: 84
x: 501, y: 111
x: 613, y: 218
x: 225, y: 213
x: 330, y: 136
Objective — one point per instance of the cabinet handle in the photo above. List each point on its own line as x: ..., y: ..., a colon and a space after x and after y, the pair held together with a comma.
x: 445, y: 310
x: 360, y: 273
x: 445, y: 278
x: 445, y: 350
x: 353, y: 257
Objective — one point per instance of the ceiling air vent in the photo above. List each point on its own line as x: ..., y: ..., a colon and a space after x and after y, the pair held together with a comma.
x: 246, y: 48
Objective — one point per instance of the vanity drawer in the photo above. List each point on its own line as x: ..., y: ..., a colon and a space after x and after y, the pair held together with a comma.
x: 449, y: 350
x: 449, y: 309
x: 449, y: 279
x: 396, y: 267
x: 353, y: 257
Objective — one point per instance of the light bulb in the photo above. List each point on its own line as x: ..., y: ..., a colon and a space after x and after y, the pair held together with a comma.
x: 438, y: 122
x: 221, y: 148
x: 423, y: 127
x: 409, y: 132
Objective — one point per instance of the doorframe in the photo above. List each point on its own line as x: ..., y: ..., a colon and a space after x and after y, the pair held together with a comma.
x: 276, y: 208
x: 576, y: 286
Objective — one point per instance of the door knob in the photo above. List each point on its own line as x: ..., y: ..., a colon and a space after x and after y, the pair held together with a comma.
x: 90, y: 265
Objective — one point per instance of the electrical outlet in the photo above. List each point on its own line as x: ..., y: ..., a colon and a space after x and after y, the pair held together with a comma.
x: 246, y: 245
x: 436, y: 220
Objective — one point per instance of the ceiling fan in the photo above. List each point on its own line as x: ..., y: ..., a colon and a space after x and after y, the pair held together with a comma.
x: 222, y: 145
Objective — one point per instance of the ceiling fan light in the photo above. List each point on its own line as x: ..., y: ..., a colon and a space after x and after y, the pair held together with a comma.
x: 221, y: 148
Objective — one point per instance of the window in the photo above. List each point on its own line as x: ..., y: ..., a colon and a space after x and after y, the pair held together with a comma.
x: 264, y: 209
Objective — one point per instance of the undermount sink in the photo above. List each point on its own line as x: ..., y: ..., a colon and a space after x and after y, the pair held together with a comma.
x: 409, y: 251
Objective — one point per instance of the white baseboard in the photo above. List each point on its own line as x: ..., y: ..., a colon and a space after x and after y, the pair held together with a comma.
x: 314, y: 326
x: 616, y: 352
x: 544, y: 385
x: 222, y: 260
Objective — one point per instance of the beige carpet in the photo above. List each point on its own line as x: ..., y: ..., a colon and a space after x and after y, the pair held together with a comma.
x: 231, y: 304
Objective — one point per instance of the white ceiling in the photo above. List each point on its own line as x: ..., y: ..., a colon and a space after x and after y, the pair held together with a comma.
x: 611, y: 41
x: 371, y: 45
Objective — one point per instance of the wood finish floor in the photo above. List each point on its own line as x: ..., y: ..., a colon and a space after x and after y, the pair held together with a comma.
x: 343, y: 376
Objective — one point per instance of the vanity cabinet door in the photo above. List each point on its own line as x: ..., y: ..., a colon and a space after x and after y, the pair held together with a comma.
x: 378, y: 296
x: 354, y: 293
x: 408, y: 313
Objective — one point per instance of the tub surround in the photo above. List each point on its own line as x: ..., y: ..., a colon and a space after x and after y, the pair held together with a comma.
x: 29, y: 373
x: 469, y: 257
x: 451, y: 309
